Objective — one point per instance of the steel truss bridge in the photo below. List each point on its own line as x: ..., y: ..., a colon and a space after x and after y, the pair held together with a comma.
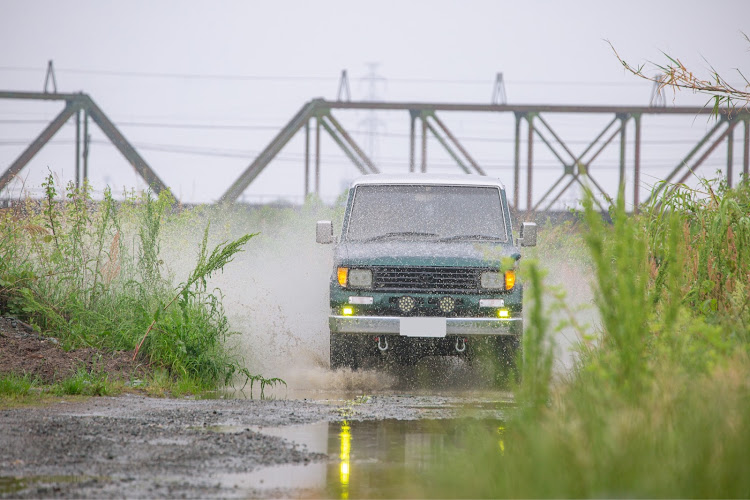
x: 317, y: 117
x: 77, y: 105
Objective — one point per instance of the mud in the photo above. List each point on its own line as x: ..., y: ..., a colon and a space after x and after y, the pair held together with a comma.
x: 25, y: 351
x: 134, y: 446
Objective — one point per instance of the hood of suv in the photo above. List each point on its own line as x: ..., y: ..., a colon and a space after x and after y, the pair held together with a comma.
x: 428, y: 253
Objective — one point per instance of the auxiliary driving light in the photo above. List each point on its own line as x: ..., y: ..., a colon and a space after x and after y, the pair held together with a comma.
x: 447, y: 304
x: 406, y: 304
x: 347, y: 311
x: 503, y: 313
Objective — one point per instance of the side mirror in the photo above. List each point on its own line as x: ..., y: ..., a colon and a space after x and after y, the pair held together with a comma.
x: 527, y: 237
x: 324, y: 232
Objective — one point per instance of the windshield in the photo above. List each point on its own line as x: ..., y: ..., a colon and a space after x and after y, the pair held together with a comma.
x: 450, y: 213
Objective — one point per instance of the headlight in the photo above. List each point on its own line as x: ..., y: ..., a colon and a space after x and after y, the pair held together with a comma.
x: 492, y: 280
x: 360, y: 278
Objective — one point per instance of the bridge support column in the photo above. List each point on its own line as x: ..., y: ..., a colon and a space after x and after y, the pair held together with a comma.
x: 307, y: 158
x: 637, y: 163
x: 517, y: 161
x: 412, y: 140
x: 623, y: 138
x: 730, y: 157
x: 317, y: 156
x: 746, y: 153
x: 529, y: 163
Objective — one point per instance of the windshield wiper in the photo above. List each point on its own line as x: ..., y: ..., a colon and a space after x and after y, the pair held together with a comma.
x: 401, y: 233
x: 482, y: 237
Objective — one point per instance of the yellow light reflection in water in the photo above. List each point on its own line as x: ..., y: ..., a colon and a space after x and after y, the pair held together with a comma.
x: 501, y: 442
x: 346, y: 444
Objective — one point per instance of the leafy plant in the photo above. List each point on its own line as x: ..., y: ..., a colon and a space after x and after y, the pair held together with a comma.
x: 264, y: 382
x: 91, y: 274
x: 538, y: 347
x: 189, y: 293
x: 675, y: 75
x: 659, y: 403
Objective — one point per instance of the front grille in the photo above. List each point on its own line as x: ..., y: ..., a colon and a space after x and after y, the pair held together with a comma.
x: 426, y: 279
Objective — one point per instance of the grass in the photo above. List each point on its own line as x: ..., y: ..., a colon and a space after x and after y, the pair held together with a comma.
x: 93, y: 274
x: 659, y: 402
x: 83, y: 383
x: 15, y: 385
x: 24, y: 389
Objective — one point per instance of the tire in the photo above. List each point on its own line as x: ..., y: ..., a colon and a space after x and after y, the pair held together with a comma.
x: 343, y: 352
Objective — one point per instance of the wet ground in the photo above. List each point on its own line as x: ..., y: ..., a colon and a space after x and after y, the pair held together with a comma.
x: 310, y: 444
x: 25, y: 350
x: 336, y: 434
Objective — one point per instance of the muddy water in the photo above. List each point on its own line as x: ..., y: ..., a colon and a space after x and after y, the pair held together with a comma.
x: 275, y: 295
x: 338, y: 446
x: 365, y: 458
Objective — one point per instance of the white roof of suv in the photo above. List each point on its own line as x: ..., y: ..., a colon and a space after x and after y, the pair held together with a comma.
x: 433, y: 179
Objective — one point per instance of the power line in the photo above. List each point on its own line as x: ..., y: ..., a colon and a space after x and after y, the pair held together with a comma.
x: 399, y: 135
x: 464, y: 119
x: 342, y: 161
x: 200, y: 126
x: 316, y: 78
x: 246, y: 127
x: 184, y: 76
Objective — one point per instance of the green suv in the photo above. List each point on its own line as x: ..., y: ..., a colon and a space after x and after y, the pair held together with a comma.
x: 425, y: 266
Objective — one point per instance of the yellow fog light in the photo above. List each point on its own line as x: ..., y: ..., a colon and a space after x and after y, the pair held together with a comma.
x: 406, y: 304
x: 347, y: 311
x: 503, y: 313
x: 510, y: 279
x: 446, y: 304
x: 342, y: 274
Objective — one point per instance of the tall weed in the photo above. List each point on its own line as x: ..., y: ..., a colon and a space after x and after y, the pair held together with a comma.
x: 537, y: 352
x: 92, y: 275
x: 659, y: 403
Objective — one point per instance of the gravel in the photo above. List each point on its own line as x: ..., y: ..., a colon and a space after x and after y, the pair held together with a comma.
x: 135, y: 446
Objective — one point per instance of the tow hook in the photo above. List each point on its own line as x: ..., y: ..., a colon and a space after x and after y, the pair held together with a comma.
x: 460, y: 344
x: 381, y: 346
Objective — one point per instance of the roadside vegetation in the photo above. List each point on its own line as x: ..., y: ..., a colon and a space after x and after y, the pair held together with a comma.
x: 674, y: 75
x: 659, y: 402
x: 92, y: 275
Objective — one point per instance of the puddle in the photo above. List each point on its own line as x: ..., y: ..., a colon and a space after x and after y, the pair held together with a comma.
x: 314, y: 437
x: 372, y: 458
x: 310, y: 478
x: 365, y: 459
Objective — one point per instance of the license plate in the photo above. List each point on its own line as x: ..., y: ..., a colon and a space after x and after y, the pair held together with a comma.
x: 423, y: 327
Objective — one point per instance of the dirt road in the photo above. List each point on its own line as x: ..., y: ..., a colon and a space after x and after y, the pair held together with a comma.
x: 134, y: 446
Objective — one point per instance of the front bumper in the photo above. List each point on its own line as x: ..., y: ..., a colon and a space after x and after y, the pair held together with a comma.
x: 390, y: 325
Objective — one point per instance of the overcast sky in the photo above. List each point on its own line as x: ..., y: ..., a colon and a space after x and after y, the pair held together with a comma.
x: 235, y: 72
